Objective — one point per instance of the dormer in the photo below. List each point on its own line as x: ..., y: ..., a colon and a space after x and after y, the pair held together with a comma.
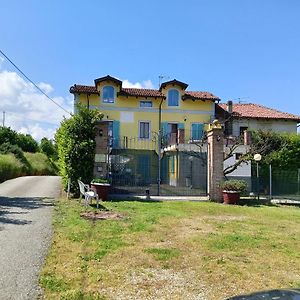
x: 173, y: 90
x: 108, y: 87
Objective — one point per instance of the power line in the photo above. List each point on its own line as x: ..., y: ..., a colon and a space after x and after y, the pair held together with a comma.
x: 36, y: 86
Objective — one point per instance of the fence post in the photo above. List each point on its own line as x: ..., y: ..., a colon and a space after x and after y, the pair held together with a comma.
x: 215, y: 153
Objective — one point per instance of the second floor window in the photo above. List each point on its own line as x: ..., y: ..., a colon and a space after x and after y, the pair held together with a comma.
x: 108, y: 94
x: 144, y: 130
x: 145, y: 103
x: 173, y: 98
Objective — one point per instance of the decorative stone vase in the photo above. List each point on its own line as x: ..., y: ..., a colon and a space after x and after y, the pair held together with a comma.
x: 102, y: 189
x: 231, y: 197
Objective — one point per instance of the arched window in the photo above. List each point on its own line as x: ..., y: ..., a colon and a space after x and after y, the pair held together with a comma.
x: 108, y: 94
x: 173, y: 98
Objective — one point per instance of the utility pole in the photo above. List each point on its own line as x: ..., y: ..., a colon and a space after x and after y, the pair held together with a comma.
x: 3, y: 119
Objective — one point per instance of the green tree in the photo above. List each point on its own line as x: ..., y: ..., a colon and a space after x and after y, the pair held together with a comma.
x: 27, y: 143
x: 48, y: 147
x: 281, y: 150
x: 75, y: 140
x: 7, y: 135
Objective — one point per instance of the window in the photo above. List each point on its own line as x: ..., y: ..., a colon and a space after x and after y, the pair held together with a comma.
x: 242, y: 129
x: 173, y: 98
x: 144, y: 130
x: 108, y: 94
x: 145, y: 103
x: 196, y: 131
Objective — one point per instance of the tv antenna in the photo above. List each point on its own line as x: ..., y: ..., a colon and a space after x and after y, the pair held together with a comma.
x: 160, y: 79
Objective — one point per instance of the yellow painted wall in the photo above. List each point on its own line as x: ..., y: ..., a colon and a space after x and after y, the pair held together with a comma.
x: 131, y: 105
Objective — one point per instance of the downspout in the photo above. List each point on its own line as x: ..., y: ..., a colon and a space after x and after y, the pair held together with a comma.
x: 159, y: 147
x: 88, y: 101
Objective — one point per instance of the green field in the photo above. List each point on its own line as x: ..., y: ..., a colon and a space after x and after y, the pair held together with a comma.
x: 172, y: 250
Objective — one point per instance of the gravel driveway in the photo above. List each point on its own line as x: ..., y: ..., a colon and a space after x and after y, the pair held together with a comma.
x: 25, y: 233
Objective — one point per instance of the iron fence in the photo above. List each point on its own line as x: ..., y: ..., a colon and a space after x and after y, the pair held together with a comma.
x: 134, y: 168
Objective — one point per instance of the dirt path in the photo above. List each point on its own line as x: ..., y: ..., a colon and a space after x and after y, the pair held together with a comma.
x: 25, y: 233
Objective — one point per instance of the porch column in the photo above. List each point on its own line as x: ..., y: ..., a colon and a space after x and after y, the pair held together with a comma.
x: 215, y: 139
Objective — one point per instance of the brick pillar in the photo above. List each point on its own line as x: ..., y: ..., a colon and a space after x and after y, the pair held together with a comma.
x: 102, y: 149
x: 215, y: 139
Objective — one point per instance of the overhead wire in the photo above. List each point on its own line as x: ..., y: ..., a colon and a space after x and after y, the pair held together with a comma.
x: 35, y: 85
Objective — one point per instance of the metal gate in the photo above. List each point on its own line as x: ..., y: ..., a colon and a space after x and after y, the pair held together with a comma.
x: 133, y: 171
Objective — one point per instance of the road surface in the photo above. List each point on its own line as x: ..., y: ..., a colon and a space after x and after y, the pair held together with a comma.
x: 26, y: 205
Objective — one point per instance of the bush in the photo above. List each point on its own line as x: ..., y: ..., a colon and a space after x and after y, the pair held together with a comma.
x: 234, y: 185
x: 99, y: 180
x: 10, y: 167
x: 75, y: 140
x: 40, y: 164
x: 7, y: 148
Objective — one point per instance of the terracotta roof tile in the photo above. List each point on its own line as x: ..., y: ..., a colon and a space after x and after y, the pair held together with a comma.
x: 251, y: 110
x: 201, y: 95
x: 85, y: 89
x: 141, y: 92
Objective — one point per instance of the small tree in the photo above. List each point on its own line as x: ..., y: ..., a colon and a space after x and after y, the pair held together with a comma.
x: 75, y: 140
x: 48, y: 147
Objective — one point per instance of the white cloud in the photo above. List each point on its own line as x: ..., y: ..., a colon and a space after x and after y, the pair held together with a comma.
x: 27, y: 110
x: 1, y: 61
x: 146, y: 84
x: 45, y: 87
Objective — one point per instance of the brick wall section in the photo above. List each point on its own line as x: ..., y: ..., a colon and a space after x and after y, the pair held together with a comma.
x: 102, y: 148
x: 215, y: 154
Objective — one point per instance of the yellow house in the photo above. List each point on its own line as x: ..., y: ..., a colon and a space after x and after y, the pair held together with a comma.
x: 139, y: 113
x: 135, y: 116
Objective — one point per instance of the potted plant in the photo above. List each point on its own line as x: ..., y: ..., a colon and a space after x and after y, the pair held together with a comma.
x: 101, y: 186
x: 232, y: 190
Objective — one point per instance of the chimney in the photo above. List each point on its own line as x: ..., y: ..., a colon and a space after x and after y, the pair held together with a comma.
x: 229, y: 106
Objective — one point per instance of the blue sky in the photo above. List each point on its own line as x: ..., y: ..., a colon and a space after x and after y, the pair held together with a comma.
x: 245, y: 49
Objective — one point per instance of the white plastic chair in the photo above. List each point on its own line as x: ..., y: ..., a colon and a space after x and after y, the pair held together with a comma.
x: 88, y: 193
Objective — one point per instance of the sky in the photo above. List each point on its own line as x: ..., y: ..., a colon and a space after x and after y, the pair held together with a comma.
x: 243, y: 50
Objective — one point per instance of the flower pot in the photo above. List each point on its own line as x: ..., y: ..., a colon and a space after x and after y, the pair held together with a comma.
x: 102, y: 189
x: 231, y: 197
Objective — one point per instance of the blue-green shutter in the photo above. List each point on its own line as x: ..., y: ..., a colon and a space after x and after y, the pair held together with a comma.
x: 116, y: 134
x: 180, y: 125
x: 197, y: 131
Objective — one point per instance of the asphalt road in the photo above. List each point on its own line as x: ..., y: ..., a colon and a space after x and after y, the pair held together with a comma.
x: 26, y: 205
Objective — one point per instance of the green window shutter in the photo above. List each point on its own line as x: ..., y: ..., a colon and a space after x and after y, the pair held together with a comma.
x: 197, y: 131
x: 164, y: 128
x: 180, y: 125
x: 116, y: 134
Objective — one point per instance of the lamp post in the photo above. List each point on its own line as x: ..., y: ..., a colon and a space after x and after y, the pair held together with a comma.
x: 257, y: 158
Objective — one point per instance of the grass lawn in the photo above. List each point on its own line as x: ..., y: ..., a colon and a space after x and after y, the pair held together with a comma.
x: 172, y: 250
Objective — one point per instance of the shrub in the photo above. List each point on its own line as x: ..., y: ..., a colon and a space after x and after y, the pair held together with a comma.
x: 99, y: 180
x: 40, y: 164
x: 10, y: 167
x: 234, y: 185
x: 7, y: 148
x: 75, y: 140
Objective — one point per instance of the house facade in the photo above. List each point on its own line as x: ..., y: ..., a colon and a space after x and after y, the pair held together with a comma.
x: 139, y: 113
x: 239, y: 117
x: 134, y: 117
